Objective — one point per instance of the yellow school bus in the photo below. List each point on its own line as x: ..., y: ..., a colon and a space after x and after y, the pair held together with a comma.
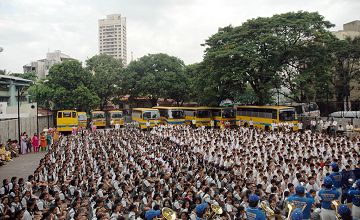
x: 223, y: 117
x: 116, y: 117
x: 171, y: 115
x: 82, y: 119
x: 66, y: 120
x: 264, y: 117
x: 197, y: 116
x: 98, y: 119
x: 142, y: 116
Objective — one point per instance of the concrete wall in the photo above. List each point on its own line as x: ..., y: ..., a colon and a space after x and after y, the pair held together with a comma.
x: 9, y: 128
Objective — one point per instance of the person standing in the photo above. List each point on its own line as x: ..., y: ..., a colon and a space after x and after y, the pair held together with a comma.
x: 302, y: 202
x: 336, y: 177
x: 23, y: 145
x: 327, y: 195
x: 28, y: 144
x: 43, y: 141
x: 253, y: 212
x: 35, y: 142
x: 48, y: 140
x: 354, y: 193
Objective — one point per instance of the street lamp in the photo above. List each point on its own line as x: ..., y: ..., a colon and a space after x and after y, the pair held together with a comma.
x: 37, y: 117
x: 19, y: 124
x: 47, y: 107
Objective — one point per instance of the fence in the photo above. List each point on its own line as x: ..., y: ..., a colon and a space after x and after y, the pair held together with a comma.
x: 9, y: 128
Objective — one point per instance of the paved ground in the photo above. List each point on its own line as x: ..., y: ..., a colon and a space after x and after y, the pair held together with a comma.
x: 21, y: 166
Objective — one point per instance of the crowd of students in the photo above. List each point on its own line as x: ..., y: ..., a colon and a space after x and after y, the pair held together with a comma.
x: 132, y: 174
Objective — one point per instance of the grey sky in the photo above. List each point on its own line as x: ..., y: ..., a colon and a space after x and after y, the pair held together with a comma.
x: 29, y: 28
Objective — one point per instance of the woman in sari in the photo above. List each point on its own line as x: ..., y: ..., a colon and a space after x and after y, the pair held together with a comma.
x: 35, y: 142
x: 23, y: 144
x: 43, y: 141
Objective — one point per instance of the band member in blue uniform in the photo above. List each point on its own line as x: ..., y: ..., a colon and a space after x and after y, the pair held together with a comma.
x: 336, y: 177
x: 253, y: 212
x: 354, y: 194
x: 297, y: 214
x: 327, y: 195
x: 151, y: 214
x: 200, y: 210
x: 302, y: 202
x: 345, y: 213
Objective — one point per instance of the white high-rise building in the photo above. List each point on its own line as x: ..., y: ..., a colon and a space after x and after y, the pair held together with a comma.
x: 112, y: 37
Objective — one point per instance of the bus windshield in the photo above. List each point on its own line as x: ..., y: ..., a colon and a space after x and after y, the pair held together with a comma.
x: 203, y: 114
x: 116, y: 115
x: 228, y: 113
x: 98, y: 115
x: 82, y: 117
x: 287, y: 115
x: 147, y: 115
x: 177, y: 114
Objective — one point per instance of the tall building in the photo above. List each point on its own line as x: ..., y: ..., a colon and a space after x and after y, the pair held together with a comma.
x: 42, y: 67
x: 112, y: 37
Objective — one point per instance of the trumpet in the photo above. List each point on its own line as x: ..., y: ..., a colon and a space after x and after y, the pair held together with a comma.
x: 291, y: 207
x: 335, y: 204
x: 213, y: 211
x: 167, y: 214
x: 269, y: 212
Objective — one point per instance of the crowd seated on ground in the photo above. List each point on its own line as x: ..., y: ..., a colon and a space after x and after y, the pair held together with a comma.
x: 132, y: 174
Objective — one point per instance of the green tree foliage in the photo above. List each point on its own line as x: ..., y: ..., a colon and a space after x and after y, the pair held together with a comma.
x: 283, y: 50
x: 305, y: 54
x: 107, y: 71
x: 347, y: 67
x: 156, y: 76
x: 29, y: 75
x: 66, y: 87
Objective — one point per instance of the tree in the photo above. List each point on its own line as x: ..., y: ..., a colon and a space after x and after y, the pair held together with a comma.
x: 107, y: 71
x: 245, y: 54
x: 305, y: 54
x: 28, y: 75
x: 157, y: 76
x: 265, y: 52
x: 347, y: 68
x: 66, y: 87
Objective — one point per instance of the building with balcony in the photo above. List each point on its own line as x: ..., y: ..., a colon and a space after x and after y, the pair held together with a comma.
x: 42, y: 67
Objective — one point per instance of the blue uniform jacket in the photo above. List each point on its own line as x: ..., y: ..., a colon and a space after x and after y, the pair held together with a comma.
x: 328, y: 195
x: 302, y: 203
x: 255, y: 214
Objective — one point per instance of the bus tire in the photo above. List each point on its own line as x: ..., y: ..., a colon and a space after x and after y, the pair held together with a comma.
x: 267, y: 128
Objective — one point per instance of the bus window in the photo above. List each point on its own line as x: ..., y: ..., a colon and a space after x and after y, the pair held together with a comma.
x: 67, y: 114
x: 59, y: 115
x: 73, y: 114
x: 150, y: 115
x: 177, y: 114
x: 299, y: 109
x: 228, y: 113
x: 287, y: 115
x: 116, y: 115
x: 203, y: 114
x: 96, y: 115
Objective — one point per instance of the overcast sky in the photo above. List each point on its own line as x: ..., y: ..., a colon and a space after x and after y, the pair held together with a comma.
x: 29, y: 28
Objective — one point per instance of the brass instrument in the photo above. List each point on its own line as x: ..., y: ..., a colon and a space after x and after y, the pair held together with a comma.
x: 335, y: 204
x: 291, y: 207
x: 213, y: 211
x: 167, y: 214
x: 268, y: 211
